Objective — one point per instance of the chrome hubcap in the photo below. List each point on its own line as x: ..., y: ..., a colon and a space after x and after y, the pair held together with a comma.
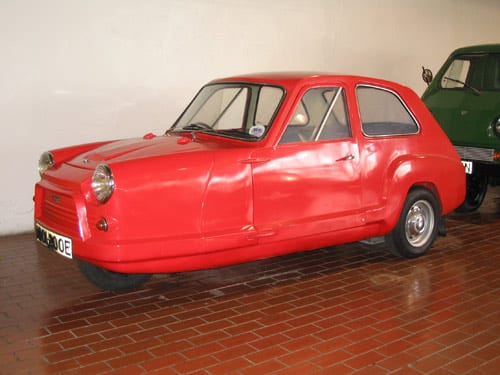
x: 419, y: 223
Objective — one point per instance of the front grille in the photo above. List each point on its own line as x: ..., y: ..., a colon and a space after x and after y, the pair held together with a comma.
x: 475, y: 153
x: 59, y: 211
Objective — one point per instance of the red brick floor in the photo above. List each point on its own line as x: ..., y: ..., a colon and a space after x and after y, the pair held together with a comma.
x: 347, y: 309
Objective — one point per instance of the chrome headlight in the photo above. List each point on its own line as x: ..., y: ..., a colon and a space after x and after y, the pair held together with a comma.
x: 496, y: 126
x: 45, y: 162
x: 103, y: 183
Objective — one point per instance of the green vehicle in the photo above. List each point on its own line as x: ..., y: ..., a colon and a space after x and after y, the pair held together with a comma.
x: 464, y: 97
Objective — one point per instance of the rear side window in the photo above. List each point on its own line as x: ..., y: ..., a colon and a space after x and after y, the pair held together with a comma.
x: 383, y: 113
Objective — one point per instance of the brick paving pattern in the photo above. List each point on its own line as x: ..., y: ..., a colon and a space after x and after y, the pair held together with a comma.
x: 350, y: 309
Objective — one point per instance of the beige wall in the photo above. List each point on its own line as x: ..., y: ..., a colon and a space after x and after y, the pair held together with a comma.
x: 74, y: 71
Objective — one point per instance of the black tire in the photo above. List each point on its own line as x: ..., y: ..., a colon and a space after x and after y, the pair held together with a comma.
x: 417, y: 226
x: 475, y: 193
x: 109, y: 280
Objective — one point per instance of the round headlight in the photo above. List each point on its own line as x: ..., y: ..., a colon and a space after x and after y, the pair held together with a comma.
x: 45, y: 162
x: 496, y: 126
x: 103, y: 183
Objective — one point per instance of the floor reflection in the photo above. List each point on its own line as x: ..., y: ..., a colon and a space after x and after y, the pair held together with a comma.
x: 355, y: 306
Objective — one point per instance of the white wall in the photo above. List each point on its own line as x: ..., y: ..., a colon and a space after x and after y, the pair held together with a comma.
x: 74, y: 71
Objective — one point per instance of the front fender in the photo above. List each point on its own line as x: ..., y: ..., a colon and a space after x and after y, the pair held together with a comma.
x: 156, y: 199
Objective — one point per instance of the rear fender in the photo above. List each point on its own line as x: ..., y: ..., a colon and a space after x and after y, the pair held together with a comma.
x: 442, y: 176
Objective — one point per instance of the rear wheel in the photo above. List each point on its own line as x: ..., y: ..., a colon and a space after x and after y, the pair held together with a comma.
x: 476, y: 191
x: 109, y: 280
x: 417, y: 226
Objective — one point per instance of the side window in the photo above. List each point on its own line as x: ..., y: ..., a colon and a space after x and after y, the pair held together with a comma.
x: 337, y: 123
x: 383, y: 113
x: 492, y: 73
x: 320, y: 115
x: 496, y: 73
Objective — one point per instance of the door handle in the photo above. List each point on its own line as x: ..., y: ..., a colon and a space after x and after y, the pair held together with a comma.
x: 347, y: 157
x: 254, y: 160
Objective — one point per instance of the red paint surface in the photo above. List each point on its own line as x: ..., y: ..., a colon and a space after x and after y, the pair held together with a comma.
x: 184, y: 202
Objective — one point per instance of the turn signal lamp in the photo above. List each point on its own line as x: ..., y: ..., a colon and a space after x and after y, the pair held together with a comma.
x: 102, y: 225
x: 496, y: 155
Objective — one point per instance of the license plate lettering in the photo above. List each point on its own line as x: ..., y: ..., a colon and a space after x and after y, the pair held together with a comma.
x: 54, y: 241
x: 468, y: 166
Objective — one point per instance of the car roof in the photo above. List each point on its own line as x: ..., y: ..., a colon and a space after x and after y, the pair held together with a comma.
x: 480, y: 48
x: 286, y: 78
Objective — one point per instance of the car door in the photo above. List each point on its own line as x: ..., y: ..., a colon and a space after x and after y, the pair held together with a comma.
x: 310, y: 182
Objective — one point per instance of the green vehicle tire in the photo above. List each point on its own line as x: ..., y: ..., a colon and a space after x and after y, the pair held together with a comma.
x: 476, y: 191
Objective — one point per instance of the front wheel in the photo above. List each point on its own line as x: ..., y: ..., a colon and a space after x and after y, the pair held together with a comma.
x: 417, y: 226
x: 109, y: 280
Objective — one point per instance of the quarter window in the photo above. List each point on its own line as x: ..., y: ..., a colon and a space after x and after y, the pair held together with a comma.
x: 383, y: 113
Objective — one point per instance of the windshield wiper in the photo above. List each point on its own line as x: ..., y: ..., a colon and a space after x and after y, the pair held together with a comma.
x: 476, y: 91
x: 197, y: 126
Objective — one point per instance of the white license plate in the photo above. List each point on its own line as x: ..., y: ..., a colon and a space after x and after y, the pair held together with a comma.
x: 60, y: 244
x: 468, y: 166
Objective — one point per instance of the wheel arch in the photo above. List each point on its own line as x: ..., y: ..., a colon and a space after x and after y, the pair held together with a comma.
x: 409, y: 172
x: 431, y: 187
x: 394, y: 210
x: 443, y: 176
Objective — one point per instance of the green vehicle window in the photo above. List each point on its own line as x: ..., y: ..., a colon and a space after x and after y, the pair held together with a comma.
x: 495, y: 73
x: 456, y: 74
x: 481, y: 72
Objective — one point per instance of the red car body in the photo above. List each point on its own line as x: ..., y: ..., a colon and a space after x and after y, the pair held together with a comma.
x: 206, y: 196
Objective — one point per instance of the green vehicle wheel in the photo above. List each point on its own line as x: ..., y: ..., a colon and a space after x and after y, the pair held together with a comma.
x: 476, y: 191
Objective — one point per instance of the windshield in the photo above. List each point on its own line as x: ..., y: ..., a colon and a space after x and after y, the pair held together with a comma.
x: 476, y: 72
x: 236, y: 110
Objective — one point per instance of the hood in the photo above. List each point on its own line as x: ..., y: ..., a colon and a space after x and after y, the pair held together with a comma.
x: 138, y: 148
